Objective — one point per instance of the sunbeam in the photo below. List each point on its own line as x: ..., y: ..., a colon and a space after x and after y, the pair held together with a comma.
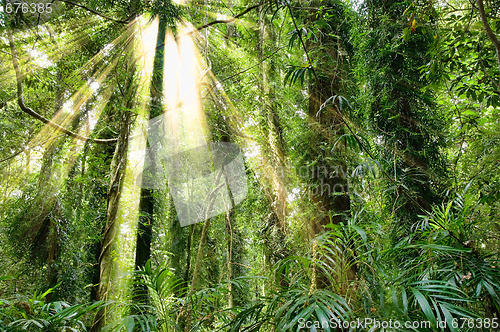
x: 72, y: 108
x: 125, y: 224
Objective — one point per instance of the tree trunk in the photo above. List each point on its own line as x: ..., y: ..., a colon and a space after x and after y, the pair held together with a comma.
x: 144, y: 231
x: 331, y: 194
x: 230, y: 233
x: 147, y: 203
x: 270, y: 123
x: 105, y: 261
x: 410, y: 128
x: 329, y: 190
x: 273, y: 148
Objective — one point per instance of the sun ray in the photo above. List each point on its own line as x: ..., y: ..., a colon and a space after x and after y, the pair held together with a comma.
x: 192, y: 165
x: 43, y: 40
x: 70, y: 110
x: 53, y: 50
x: 128, y: 206
x: 183, y: 111
x: 240, y: 127
x: 48, y: 136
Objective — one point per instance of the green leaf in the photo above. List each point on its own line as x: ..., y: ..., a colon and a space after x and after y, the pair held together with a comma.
x: 129, y: 323
x: 425, y: 306
x: 448, y: 318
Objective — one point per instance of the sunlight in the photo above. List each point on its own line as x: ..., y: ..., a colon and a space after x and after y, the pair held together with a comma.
x: 184, y: 114
x: 46, y: 50
x: 160, y: 173
x: 85, y: 100
x: 148, y: 33
x: 93, y: 85
x: 179, y: 138
x: 65, y: 116
x: 242, y: 126
x: 128, y: 205
x: 41, y: 59
x: 72, y: 107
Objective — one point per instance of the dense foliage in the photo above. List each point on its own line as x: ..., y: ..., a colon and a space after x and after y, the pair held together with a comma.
x: 319, y: 165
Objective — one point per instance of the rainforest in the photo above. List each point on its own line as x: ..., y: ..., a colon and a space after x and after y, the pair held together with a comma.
x: 237, y: 165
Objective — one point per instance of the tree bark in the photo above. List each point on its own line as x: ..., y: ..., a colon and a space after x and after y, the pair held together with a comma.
x: 329, y: 190
x: 144, y: 231
x: 331, y: 193
x: 105, y: 260
x: 147, y: 203
x: 270, y: 123
x: 273, y: 148
x: 230, y: 233
x: 487, y: 28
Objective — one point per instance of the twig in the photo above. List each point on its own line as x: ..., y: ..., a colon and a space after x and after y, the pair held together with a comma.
x: 209, y: 24
x: 94, y: 11
x: 234, y: 18
x: 301, y: 41
x: 28, y: 110
x: 255, y: 65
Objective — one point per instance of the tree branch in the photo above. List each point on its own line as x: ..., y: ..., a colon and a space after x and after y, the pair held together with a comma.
x: 301, y: 40
x: 234, y: 18
x: 13, y: 156
x: 491, y: 35
x: 93, y: 11
x: 209, y: 24
x: 26, y: 109
x: 255, y: 65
